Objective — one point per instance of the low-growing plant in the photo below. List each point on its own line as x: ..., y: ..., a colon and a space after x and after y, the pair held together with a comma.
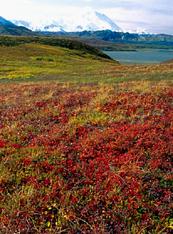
x: 76, y: 160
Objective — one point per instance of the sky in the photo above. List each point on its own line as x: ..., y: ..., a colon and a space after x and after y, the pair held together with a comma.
x: 153, y: 16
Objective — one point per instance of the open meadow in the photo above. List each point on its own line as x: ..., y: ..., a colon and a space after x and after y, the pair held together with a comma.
x: 86, y: 144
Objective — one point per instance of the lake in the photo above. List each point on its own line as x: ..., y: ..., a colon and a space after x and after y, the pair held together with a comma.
x: 141, y: 56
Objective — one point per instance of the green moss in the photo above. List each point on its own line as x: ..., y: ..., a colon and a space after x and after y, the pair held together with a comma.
x: 94, y: 117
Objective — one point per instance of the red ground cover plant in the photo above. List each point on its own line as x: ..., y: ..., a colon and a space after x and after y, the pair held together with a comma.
x: 86, y: 159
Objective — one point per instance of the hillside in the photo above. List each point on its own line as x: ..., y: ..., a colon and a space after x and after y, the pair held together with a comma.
x: 69, y: 43
x: 20, y: 59
x: 52, y: 58
x: 8, y: 28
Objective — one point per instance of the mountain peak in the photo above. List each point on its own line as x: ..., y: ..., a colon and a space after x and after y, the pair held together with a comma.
x: 105, y: 18
x: 88, y: 20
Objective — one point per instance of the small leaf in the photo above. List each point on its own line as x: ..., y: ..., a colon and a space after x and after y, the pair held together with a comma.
x: 48, y: 224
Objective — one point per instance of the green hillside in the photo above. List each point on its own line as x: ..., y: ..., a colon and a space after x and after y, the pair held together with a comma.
x: 67, y: 60
x: 40, y: 61
x: 53, y: 41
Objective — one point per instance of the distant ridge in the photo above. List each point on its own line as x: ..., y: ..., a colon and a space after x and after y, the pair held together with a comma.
x: 9, y: 28
x: 102, y: 39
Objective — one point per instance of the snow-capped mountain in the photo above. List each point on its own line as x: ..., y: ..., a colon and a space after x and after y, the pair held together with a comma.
x: 138, y: 31
x: 89, y: 20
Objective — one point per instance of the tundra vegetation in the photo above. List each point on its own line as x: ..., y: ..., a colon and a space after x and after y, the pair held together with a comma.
x: 86, y: 144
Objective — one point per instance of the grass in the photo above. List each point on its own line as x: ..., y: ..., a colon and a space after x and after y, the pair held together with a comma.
x: 85, y: 143
x: 36, y: 62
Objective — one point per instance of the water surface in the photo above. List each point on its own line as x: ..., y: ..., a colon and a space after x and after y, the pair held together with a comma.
x: 141, y: 56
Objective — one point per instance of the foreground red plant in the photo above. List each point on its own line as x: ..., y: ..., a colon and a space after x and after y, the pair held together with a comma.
x: 80, y: 161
